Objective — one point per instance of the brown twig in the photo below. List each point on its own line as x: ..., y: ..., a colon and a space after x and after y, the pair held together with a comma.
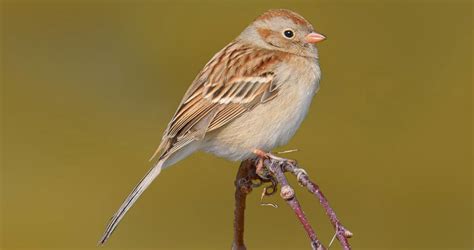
x: 288, y: 194
x: 276, y: 167
x: 342, y: 233
x: 243, y: 186
x: 247, y: 178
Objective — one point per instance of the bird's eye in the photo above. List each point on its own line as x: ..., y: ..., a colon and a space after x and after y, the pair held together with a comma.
x: 288, y: 33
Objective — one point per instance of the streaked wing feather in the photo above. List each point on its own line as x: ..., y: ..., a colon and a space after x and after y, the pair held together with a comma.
x: 232, y: 82
x: 226, y: 115
x: 244, y: 90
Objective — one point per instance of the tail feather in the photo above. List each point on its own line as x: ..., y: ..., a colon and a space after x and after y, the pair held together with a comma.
x: 131, y: 199
x: 179, y: 151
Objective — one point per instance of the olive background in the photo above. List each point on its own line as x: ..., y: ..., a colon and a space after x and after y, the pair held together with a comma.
x: 89, y: 86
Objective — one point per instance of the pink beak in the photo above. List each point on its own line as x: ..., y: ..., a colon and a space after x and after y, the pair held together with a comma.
x: 314, y: 37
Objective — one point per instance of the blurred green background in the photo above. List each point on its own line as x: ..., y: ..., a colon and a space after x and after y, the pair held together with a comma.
x: 89, y: 86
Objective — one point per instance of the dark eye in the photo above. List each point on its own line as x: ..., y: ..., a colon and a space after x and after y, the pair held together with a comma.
x: 288, y: 33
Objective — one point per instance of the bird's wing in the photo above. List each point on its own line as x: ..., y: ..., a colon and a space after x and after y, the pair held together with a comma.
x: 232, y: 82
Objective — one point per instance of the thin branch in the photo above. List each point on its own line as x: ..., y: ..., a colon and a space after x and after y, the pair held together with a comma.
x: 251, y: 174
x: 288, y: 194
x: 342, y: 233
x: 243, y: 186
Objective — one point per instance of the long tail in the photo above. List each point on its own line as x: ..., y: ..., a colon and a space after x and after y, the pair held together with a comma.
x: 131, y: 199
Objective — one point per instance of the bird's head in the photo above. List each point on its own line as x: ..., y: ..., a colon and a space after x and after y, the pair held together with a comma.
x: 283, y: 30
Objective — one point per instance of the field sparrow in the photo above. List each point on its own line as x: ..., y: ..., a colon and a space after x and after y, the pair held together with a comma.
x: 250, y: 97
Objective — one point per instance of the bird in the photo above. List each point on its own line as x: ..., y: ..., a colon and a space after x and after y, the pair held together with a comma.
x: 251, y: 97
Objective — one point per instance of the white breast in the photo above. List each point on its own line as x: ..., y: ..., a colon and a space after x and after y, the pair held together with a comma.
x: 274, y: 123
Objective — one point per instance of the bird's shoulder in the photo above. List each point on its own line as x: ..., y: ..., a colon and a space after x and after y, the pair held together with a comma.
x: 236, y: 63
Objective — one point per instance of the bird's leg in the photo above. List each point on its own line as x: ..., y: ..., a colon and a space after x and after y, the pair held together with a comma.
x: 260, y: 153
x: 261, y: 156
x: 259, y: 167
x: 261, y: 170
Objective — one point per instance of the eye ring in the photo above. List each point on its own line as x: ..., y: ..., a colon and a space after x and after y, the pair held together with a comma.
x: 289, y: 33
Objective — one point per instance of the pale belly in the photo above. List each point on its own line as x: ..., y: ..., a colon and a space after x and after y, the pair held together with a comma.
x: 268, y: 125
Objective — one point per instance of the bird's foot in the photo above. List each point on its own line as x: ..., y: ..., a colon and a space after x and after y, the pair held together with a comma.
x: 260, y: 153
x: 260, y: 169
